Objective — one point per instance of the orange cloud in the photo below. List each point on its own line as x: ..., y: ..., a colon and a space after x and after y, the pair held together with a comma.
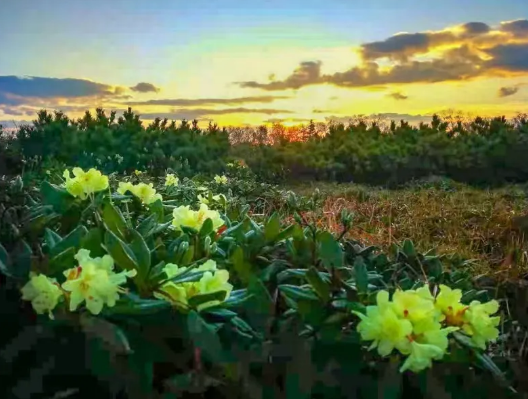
x: 460, y: 53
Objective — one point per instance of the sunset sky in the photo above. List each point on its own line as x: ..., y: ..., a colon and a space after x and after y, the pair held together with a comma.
x: 251, y: 62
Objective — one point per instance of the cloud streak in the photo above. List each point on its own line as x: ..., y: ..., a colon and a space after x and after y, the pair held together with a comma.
x: 201, y: 113
x: 397, y: 96
x: 144, y: 87
x: 508, y: 91
x: 464, y: 52
x: 182, y: 102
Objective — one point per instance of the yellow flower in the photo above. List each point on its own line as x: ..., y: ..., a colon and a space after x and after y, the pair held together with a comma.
x: 138, y: 172
x: 171, y: 180
x: 421, y: 357
x: 474, y: 320
x: 184, y: 216
x: 415, y: 305
x: 448, y: 302
x: 94, y: 282
x: 220, y: 179
x: 145, y: 192
x: 124, y: 187
x: 214, y: 282
x: 43, y: 292
x: 382, y: 326
x: 479, y: 325
x: 85, y: 183
x: 178, y: 294
x: 216, y: 198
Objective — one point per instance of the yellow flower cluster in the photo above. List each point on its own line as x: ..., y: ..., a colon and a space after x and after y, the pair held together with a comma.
x: 171, y: 180
x: 43, y: 292
x: 185, y: 216
x: 417, y: 324
x: 216, y: 198
x: 220, y: 179
x: 145, y: 192
x: 213, y: 280
x: 473, y: 319
x: 84, y: 183
x: 93, y: 282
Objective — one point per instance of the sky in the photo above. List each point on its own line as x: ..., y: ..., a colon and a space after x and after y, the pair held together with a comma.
x: 251, y: 62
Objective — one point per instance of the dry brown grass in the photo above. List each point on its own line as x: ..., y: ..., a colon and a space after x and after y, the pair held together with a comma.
x: 485, y: 225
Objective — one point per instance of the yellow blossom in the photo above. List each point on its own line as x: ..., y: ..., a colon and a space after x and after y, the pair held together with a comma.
x: 414, y: 305
x: 84, y: 183
x: 220, y: 179
x: 479, y: 325
x: 171, y: 180
x: 124, y: 187
x: 145, y: 192
x: 138, y: 172
x: 43, y: 292
x: 216, y: 198
x: 473, y: 319
x: 184, y: 216
x: 94, y: 282
x: 213, y: 280
x: 382, y: 326
x: 421, y: 357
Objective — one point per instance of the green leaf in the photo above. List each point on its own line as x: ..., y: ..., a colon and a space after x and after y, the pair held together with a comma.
x: 286, y: 233
x: 114, y: 220
x: 72, y: 240
x: 185, y: 277
x: 21, y: 260
x: 236, y: 298
x: 433, y: 266
x: 272, y: 227
x: 189, y: 230
x: 297, y: 293
x: 145, y: 227
x: 204, y: 336
x: 204, y: 298
x: 220, y: 313
x: 408, y: 248
x: 157, y: 209
x: 51, y: 238
x: 4, y: 261
x: 330, y: 251
x: 138, y: 307
x: 207, y: 228
x: 142, y: 254
x: 60, y: 199
x: 233, y: 229
x: 93, y: 241
x: 187, y: 256
x: 321, y: 288
x: 64, y: 260
x: 242, y: 268
x: 485, y: 361
x: 361, y: 275
x: 121, y: 252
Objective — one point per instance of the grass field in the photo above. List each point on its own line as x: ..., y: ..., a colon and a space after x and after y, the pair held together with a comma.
x: 476, y: 224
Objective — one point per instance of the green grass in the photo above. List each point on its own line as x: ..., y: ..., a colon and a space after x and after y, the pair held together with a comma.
x: 484, y: 225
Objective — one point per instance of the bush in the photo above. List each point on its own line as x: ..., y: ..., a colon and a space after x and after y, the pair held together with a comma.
x: 168, y: 298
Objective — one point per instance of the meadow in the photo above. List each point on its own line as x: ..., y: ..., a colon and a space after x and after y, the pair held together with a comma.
x: 170, y: 261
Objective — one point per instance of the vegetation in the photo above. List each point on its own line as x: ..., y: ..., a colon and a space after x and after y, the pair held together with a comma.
x: 481, y: 151
x: 486, y: 226
x: 171, y: 270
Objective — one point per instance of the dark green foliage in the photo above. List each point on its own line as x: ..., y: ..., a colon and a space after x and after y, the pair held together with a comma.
x: 478, y: 152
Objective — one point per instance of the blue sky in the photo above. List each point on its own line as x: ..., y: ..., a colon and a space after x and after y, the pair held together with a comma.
x: 180, y: 45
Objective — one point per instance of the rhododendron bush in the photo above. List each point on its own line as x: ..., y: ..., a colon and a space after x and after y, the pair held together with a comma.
x: 192, y: 294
